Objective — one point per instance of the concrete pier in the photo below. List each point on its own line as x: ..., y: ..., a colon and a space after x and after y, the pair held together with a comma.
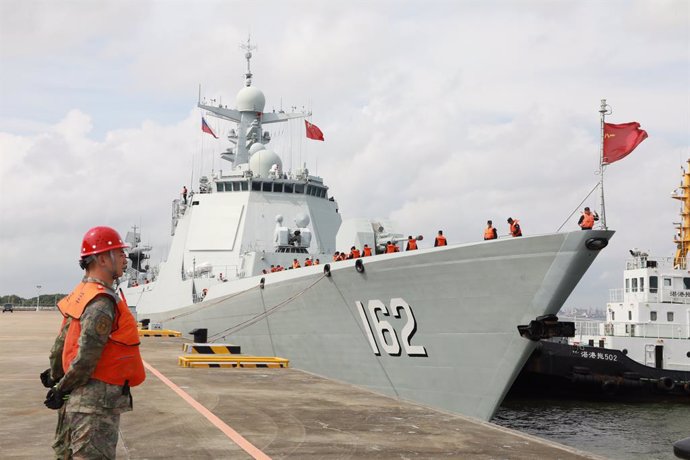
x: 243, y: 413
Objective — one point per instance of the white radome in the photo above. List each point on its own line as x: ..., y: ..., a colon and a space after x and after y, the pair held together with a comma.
x: 261, y: 162
x: 250, y: 99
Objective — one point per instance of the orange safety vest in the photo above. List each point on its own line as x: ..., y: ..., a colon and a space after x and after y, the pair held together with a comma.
x: 307, y: 262
x: 588, y: 221
x: 515, y: 228
x: 411, y: 244
x: 489, y: 233
x: 367, y: 251
x: 120, y: 360
x: 441, y: 240
x: 295, y: 264
x: 355, y: 254
x: 391, y: 248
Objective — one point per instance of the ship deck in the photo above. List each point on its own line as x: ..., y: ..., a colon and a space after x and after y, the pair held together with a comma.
x: 186, y: 413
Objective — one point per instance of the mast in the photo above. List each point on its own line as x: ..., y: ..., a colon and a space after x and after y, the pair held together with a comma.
x: 604, y: 110
x: 682, y: 240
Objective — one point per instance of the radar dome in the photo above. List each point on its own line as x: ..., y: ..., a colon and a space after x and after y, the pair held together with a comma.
x: 256, y: 147
x: 261, y: 162
x: 250, y: 99
x: 301, y: 220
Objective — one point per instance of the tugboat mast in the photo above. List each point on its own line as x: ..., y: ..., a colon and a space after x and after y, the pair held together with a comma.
x: 682, y: 240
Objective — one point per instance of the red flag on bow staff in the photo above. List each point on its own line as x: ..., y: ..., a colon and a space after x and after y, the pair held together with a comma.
x: 313, y: 131
x: 620, y: 140
x: 206, y: 128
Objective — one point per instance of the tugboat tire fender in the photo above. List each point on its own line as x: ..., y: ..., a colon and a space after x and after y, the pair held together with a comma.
x: 359, y: 266
x: 666, y: 383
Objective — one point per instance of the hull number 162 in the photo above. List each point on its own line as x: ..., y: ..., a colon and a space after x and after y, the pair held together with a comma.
x: 386, y: 334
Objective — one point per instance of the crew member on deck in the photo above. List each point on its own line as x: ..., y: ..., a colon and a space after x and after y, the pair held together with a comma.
x: 587, y: 219
x: 490, y: 232
x: 307, y: 262
x: 354, y: 253
x: 411, y: 244
x: 295, y: 263
x: 366, y: 251
x: 440, y: 239
x: 391, y: 248
x: 515, y: 229
x: 184, y: 193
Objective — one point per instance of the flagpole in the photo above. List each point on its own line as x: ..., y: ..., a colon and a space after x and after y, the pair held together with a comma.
x: 603, y: 110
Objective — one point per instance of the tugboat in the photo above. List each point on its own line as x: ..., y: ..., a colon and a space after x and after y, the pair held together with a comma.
x: 436, y: 326
x: 642, y: 350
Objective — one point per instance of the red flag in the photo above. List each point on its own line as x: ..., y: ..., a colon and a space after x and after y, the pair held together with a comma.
x: 313, y: 131
x: 206, y: 128
x: 620, y: 140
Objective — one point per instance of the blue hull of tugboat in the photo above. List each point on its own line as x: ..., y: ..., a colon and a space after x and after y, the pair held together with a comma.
x: 560, y: 370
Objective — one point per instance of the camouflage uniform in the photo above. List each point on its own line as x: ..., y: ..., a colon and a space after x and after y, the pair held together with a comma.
x: 88, y: 423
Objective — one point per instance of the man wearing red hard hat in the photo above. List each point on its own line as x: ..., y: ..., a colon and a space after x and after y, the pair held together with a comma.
x: 95, y: 358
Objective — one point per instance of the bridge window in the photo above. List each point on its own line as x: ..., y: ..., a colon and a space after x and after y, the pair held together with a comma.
x: 627, y: 285
x: 299, y: 188
x: 686, y: 283
x: 669, y: 316
x: 652, y: 316
x: 220, y: 186
x: 278, y: 187
x: 323, y: 193
x: 288, y: 188
x: 641, y: 284
x: 245, y: 186
x: 613, y: 316
x: 653, y: 284
x: 256, y: 186
x: 629, y: 315
x: 667, y: 282
x: 268, y: 186
x: 634, y: 284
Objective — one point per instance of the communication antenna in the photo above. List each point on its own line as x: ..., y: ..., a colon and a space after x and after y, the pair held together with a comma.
x: 248, y: 48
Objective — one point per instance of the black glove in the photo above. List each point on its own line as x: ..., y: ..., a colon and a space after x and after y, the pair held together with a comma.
x: 55, y: 399
x: 46, y: 380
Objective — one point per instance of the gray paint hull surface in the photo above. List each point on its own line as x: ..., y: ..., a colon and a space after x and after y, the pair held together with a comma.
x: 466, y: 301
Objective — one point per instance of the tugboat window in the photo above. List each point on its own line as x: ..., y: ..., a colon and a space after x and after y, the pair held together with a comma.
x: 629, y: 315
x: 245, y: 186
x: 667, y: 282
x: 653, y: 284
x: 627, y: 285
x: 669, y: 316
x: 652, y: 316
x: 641, y: 284
x: 634, y: 284
x: 686, y: 283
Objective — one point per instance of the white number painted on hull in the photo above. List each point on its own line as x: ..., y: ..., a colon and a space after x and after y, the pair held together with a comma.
x: 385, y: 332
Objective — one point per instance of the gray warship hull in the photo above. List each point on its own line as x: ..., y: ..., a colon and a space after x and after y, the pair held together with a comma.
x: 436, y: 326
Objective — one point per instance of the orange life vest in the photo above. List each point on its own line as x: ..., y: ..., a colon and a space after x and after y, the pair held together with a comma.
x: 120, y: 360
x: 515, y: 229
x: 355, y: 254
x: 587, y: 221
x: 367, y: 251
x: 411, y: 244
x: 489, y: 233
x: 295, y: 264
x: 307, y: 262
x: 391, y: 248
x: 441, y: 240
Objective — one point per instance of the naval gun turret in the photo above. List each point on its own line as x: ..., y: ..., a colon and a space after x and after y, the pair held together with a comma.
x: 296, y: 239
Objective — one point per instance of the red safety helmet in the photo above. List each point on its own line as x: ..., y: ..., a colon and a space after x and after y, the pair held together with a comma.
x: 101, y: 239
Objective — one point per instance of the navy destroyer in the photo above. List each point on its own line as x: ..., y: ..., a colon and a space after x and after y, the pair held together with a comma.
x: 437, y: 326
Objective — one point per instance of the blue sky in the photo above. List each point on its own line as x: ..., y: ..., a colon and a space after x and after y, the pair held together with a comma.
x: 441, y: 116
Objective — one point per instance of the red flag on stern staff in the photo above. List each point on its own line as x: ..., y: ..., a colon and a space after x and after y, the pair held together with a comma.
x: 620, y: 140
x: 313, y: 131
x: 206, y: 128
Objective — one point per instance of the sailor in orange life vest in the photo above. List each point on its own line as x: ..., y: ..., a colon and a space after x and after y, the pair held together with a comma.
x: 95, y: 359
x: 515, y: 229
x: 440, y: 239
x: 490, y: 232
x: 587, y: 219
x: 411, y: 244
